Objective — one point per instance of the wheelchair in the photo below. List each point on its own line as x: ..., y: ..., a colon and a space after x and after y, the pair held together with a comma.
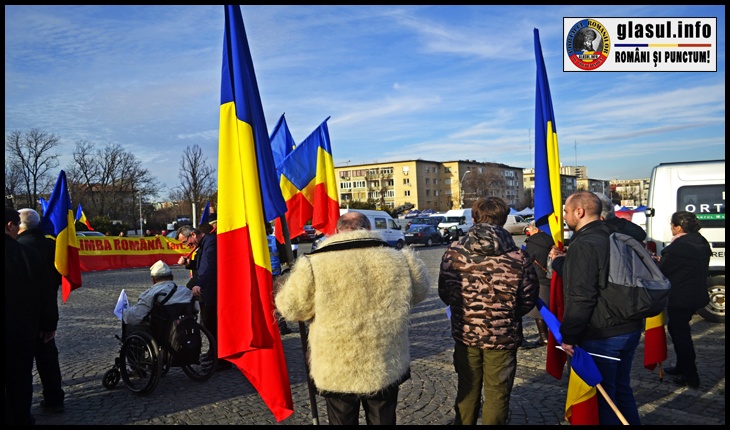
x: 146, y: 353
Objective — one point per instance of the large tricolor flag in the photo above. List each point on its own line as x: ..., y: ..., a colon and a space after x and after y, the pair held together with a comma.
x: 81, y: 216
x: 58, y: 220
x: 248, y: 334
x: 581, y: 401
x: 655, y: 342
x: 548, y: 200
x: 309, y: 185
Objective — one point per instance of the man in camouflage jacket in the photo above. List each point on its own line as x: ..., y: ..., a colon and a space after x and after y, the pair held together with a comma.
x: 489, y: 284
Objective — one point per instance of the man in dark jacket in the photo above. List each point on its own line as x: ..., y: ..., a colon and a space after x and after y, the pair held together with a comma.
x: 588, y: 320
x: 28, y: 313
x: 46, y: 351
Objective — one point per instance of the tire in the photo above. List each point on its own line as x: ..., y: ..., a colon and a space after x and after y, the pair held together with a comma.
x: 715, y: 310
x: 399, y: 244
x: 111, y: 378
x: 203, y: 369
x: 429, y: 242
x: 140, y: 366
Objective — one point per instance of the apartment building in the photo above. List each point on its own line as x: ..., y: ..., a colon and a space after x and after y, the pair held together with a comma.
x: 425, y: 184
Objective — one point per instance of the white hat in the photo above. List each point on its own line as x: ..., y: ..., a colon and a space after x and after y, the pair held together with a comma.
x: 160, y: 269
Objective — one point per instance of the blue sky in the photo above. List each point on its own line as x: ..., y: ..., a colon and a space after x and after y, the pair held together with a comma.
x: 399, y: 82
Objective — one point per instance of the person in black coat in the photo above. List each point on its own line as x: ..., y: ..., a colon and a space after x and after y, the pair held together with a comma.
x: 685, y: 261
x: 46, y: 351
x: 28, y: 313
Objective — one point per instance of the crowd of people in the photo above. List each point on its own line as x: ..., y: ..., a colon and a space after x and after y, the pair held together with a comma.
x: 355, y: 293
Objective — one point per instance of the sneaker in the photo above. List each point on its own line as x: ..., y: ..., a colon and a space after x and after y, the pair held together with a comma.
x: 52, y: 409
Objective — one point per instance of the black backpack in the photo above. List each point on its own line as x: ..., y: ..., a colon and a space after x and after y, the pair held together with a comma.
x: 177, y: 328
x: 636, y: 289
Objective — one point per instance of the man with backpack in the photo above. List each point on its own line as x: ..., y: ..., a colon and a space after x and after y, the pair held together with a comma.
x: 587, y: 320
x: 161, y: 283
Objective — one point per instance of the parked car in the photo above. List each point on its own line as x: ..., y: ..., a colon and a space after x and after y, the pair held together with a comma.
x: 89, y: 233
x: 309, y: 234
x: 423, y: 234
x: 515, y: 224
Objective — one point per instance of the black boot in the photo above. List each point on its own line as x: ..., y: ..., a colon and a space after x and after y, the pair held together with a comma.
x: 543, y: 331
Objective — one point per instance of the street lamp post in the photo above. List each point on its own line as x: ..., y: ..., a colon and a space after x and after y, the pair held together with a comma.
x: 141, y: 227
x: 461, y: 189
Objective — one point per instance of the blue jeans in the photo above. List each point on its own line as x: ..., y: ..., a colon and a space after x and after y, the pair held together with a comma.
x: 616, y: 376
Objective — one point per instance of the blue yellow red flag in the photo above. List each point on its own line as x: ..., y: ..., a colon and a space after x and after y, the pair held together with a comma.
x: 282, y: 142
x: 59, y: 221
x: 81, y: 216
x: 309, y: 185
x: 655, y: 341
x: 205, y: 215
x: 548, y: 199
x: 248, y: 195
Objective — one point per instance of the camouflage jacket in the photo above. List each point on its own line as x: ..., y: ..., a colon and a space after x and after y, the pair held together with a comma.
x: 489, y: 284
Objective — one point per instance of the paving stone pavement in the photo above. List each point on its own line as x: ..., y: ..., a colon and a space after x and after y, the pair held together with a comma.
x: 87, y: 348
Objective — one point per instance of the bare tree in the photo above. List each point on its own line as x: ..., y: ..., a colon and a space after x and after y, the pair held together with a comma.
x: 197, y: 179
x: 29, y: 155
x: 111, y: 182
x: 488, y: 183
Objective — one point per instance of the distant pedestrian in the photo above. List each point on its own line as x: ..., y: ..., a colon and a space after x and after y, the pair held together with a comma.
x: 685, y: 261
x: 616, y: 224
x: 488, y: 284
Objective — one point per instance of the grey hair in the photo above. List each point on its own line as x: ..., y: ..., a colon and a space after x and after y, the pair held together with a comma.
x: 187, y: 230
x: 607, y: 211
x: 29, y: 219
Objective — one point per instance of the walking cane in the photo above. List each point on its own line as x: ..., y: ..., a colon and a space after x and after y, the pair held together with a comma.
x: 310, y: 384
x: 302, y: 328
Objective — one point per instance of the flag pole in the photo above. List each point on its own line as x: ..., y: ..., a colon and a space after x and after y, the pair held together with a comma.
x: 612, y: 405
x: 302, y: 327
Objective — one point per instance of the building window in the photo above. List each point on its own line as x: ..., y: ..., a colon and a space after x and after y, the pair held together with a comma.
x: 358, y: 184
x: 428, y: 181
x: 345, y: 185
x: 407, y: 193
x: 427, y: 169
x: 406, y: 181
x: 447, y: 169
x: 447, y: 181
x: 344, y: 173
x: 428, y: 192
x: 405, y: 170
x: 386, y: 170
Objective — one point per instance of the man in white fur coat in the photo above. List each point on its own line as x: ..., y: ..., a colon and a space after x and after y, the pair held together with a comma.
x: 357, y: 293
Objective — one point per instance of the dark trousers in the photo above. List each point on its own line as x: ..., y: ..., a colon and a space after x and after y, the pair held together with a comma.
x: 679, y: 329
x: 46, y: 361
x: 344, y: 409
x: 19, y: 383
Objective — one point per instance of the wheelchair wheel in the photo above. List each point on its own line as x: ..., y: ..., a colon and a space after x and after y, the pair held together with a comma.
x: 204, y: 368
x: 140, y: 365
x: 165, y: 359
x: 111, y: 378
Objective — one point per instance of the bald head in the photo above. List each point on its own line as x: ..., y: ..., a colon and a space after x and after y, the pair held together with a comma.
x: 350, y: 221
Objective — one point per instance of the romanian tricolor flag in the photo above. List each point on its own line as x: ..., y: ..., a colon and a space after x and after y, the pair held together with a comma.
x: 655, y: 342
x: 581, y: 401
x: 309, y: 185
x: 81, y: 216
x: 58, y: 221
x: 548, y: 200
x: 248, y: 334
x: 205, y: 215
x: 282, y: 142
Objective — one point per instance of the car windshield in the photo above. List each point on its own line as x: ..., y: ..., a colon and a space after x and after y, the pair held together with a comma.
x: 452, y: 219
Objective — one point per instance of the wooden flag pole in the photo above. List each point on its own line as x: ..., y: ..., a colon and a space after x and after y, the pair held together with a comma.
x: 612, y: 404
x: 302, y: 328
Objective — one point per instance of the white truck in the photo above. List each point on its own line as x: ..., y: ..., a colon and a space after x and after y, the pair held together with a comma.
x: 698, y: 187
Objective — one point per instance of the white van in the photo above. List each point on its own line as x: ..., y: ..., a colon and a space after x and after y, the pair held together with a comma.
x: 383, y: 223
x: 461, y: 218
x: 697, y: 187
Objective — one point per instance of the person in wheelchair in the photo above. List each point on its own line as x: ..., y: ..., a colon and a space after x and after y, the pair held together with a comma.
x: 137, y: 317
